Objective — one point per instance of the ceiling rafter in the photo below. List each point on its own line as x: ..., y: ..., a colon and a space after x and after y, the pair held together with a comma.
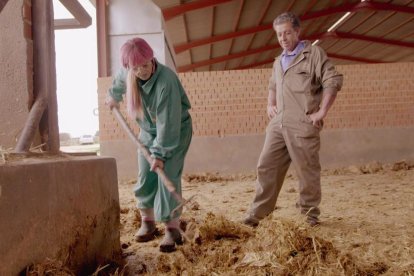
x: 225, y: 58
x: 81, y: 17
x: 334, y: 34
x: 354, y: 28
x: 235, y: 27
x: 174, y: 11
x: 369, y: 5
x: 259, y: 22
x: 331, y: 55
x: 2, y: 4
x: 329, y: 11
x: 345, y: 35
x: 353, y: 58
x: 186, y: 33
x: 208, y: 40
x: 212, y: 26
x: 385, y: 18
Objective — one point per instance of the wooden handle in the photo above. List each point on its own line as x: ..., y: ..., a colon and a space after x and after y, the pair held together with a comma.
x: 168, y: 184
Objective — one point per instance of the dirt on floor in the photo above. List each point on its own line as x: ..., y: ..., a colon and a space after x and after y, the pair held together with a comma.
x: 367, y: 227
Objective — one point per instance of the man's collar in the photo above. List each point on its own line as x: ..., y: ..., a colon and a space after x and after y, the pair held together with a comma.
x: 298, y: 48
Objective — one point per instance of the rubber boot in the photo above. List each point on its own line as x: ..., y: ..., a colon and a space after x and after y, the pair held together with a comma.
x: 147, y: 232
x: 171, y: 238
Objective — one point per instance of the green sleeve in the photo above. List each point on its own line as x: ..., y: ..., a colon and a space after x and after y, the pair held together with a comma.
x: 118, y: 87
x: 168, y: 121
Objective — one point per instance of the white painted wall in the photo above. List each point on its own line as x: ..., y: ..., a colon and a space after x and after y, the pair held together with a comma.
x: 131, y: 18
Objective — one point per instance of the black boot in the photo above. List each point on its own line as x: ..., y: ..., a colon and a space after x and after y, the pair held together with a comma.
x: 147, y: 232
x: 171, y: 238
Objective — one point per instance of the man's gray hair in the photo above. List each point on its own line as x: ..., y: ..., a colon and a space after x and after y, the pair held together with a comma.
x: 287, y: 17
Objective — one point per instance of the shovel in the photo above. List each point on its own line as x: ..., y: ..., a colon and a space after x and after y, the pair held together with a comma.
x: 168, y: 184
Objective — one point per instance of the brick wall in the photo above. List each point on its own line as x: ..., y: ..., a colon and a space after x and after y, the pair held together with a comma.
x: 374, y: 96
x: 233, y: 103
x: 109, y: 128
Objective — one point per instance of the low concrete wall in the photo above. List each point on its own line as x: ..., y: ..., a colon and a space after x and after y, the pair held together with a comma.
x: 338, y: 148
x: 125, y: 153
x: 58, y: 207
x: 235, y: 154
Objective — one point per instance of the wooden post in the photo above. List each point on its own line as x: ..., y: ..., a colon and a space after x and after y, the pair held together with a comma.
x: 101, y: 30
x: 43, y: 114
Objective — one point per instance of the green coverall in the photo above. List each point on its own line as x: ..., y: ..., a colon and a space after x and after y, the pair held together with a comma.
x: 166, y: 130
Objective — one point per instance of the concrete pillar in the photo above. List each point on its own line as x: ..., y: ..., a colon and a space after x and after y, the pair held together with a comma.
x: 16, y: 85
x: 58, y: 207
x: 131, y: 18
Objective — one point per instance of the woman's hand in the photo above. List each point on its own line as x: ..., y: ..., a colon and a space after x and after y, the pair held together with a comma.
x: 109, y: 101
x: 156, y: 163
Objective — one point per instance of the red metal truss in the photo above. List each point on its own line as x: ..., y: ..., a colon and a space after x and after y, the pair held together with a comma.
x: 313, y: 37
x: 343, y: 8
x: 208, y: 40
x: 353, y: 58
x: 81, y: 17
x: 256, y: 64
x: 370, y: 5
x: 225, y: 58
x: 331, y: 55
x: 2, y: 4
x: 172, y: 12
x: 345, y: 35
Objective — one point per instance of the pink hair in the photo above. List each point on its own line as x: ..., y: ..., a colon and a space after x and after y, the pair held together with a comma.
x: 134, y: 52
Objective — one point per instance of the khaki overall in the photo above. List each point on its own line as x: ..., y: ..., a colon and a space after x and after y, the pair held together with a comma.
x: 290, y: 136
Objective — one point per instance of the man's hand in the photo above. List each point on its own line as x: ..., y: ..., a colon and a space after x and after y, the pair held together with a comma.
x: 329, y: 95
x: 156, y: 163
x: 317, y: 118
x: 109, y: 101
x: 271, y: 111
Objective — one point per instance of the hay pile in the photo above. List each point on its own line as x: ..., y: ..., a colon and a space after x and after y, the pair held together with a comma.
x: 278, y: 247
x: 217, y: 177
x: 51, y: 267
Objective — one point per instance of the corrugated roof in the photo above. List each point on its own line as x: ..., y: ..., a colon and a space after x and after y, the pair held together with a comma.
x: 237, y: 34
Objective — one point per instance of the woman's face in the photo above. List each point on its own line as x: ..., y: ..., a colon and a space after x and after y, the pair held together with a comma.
x: 144, y: 71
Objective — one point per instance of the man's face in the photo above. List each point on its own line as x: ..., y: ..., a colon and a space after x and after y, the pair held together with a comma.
x: 287, y: 36
x: 144, y: 71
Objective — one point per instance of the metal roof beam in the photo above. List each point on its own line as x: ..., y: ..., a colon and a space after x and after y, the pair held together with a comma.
x: 343, y: 8
x: 346, y: 35
x: 172, y: 12
x: 369, y: 5
x: 2, y: 4
x: 331, y: 55
x: 225, y: 58
x: 352, y: 58
x: 313, y: 37
x: 81, y: 17
x: 208, y: 40
x: 374, y: 39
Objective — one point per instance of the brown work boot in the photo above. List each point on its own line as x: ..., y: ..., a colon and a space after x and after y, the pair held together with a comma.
x: 147, y: 232
x: 251, y: 221
x: 171, y: 238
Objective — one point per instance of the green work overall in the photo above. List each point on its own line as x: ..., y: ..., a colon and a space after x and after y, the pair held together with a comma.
x: 166, y: 130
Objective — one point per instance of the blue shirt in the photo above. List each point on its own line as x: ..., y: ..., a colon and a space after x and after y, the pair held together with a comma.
x: 287, y: 58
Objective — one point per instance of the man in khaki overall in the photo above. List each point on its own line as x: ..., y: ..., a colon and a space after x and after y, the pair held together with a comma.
x: 302, y: 88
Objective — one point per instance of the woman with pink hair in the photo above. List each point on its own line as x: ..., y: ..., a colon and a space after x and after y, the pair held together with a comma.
x: 156, y: 99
